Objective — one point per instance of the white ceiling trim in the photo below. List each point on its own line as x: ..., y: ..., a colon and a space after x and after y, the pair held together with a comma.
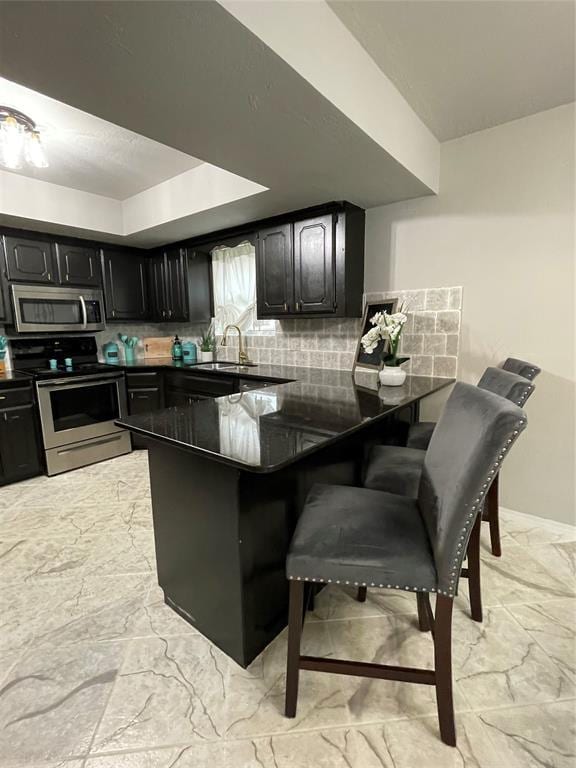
x: 191, y: 192
x: 315, y: 43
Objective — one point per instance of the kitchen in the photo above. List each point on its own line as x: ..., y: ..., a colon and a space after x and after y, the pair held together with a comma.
x: 236, y: 389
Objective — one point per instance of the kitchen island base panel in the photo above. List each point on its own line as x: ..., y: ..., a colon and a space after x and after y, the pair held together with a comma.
x: 221, y: 539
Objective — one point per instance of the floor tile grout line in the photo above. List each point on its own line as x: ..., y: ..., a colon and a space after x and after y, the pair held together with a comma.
x: 541, y: 646
x: 327, y: 727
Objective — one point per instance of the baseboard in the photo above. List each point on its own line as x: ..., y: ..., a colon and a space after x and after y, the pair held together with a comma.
x: 546, y: 521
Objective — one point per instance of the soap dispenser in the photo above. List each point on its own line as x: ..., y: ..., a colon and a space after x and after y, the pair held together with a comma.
x: 176, y: 349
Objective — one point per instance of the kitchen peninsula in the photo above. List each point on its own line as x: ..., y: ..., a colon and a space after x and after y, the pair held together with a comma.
x: 229, y: 476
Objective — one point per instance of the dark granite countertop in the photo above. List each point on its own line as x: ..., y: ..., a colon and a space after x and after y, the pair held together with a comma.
x: 14, y: 379
x: 269, y: 372
x: 264, y: 430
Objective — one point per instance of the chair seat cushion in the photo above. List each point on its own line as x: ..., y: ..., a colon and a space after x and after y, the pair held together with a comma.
x: 350, y: 535
x: 420, y: 434
x: 394, y: 469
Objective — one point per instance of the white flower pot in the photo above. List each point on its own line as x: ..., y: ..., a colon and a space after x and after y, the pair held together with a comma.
x: 206, y: 357
x: 392, y: 376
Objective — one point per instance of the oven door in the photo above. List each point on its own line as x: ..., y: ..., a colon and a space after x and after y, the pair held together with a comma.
x: 72, y: 410
x: 38, y: 309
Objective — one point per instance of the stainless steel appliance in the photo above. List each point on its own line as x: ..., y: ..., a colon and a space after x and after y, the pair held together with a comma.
x: 52, y: 309
x: 77, y: 404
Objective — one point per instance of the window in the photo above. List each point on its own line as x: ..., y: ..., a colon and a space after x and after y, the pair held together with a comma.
x: 234, y: 275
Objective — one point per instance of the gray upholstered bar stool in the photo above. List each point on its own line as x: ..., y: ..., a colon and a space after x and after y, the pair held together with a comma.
x: 361, y: 537
x: 395, y: 469
x: 420, y: 434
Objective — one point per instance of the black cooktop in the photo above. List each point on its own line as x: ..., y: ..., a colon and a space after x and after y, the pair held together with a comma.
x: 80, y: 369
x: 33, y: 355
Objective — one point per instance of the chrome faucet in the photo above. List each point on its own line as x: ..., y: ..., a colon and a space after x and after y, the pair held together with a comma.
x: 242, y: 354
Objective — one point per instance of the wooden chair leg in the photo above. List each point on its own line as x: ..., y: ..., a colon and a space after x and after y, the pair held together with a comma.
x: 422, y: 601
x: 443, y: 668
x: 492, y: 502
x: 295, y: 612
x: 361, y: 595
x: 474, y: 583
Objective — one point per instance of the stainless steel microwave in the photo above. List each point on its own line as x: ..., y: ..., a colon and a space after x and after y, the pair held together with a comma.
x: 48, y: 309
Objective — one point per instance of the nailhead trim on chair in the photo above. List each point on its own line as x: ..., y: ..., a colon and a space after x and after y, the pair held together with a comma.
x: 457, y: 561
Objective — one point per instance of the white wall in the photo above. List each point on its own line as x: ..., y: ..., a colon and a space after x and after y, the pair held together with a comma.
x: 503, y: 227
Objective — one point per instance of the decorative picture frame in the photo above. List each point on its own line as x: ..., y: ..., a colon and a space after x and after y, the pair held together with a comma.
x: 373, y: 360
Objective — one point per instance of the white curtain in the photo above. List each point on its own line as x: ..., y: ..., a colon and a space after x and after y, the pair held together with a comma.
x: 234, y: 275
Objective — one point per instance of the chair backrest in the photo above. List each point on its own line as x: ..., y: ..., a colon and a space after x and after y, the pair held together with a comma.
x: 471, y: 439
x: 509, y: 385
x: 521, y: 368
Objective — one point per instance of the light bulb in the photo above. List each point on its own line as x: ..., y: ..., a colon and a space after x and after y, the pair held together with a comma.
x: 12, y: 139
x: 35, y: 151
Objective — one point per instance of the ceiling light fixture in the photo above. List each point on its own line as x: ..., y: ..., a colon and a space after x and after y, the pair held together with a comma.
x: 19, y: 140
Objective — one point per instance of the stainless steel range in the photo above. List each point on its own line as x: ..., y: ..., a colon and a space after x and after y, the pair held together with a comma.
x: 78, y: 402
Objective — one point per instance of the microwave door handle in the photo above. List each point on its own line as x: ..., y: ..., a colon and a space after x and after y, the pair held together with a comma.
x: 84, y: 312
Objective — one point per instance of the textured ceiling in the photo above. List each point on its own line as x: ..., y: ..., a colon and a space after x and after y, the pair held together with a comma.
x: 468, y: 65
x: 91, y: 154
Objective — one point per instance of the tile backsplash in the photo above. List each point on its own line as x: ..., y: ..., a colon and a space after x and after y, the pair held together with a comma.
x: 431, y: 337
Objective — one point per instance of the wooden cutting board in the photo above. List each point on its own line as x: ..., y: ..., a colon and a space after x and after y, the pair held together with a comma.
x: 157, y: 346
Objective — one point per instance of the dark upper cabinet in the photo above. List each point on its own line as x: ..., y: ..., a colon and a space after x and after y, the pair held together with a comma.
x: 125, y: 285
x: 181, y: 286
x: 78, y: 265
x: 314, y: 267
x: 19, y: 444
x: 29, y: 260
x: 275, y: 271
x: 200, y: 293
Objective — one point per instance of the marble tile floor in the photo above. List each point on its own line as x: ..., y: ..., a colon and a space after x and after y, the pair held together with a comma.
x: 96, y: 672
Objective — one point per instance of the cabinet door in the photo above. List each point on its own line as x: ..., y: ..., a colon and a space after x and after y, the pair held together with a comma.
x: 78, y: 265
x: 176, y: 397
x: 156, y: 285
x: 275, y: 274
x: 30, y: 261
x: 199, y: 279
x: 175, y: 285
x: 144, y: 400
x: 125, y: 285
x: 19, y: 450
x: 314, y: 269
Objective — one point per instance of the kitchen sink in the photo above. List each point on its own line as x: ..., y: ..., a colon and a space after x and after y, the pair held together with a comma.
x: 215, y: 366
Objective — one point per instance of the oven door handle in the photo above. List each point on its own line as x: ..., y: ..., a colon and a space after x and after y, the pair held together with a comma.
x: 79, y: 381
x: 84, y: 312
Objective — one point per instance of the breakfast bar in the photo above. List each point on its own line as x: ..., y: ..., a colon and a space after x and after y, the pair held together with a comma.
x: 229, y: 477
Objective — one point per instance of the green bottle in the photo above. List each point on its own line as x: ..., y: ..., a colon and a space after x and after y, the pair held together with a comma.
x: 176, y: 348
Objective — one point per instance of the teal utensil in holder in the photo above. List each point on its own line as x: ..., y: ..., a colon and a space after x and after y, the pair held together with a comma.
x: 129, y: 347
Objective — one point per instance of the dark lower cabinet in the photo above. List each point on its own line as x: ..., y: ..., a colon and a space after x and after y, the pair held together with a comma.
x: 19, y: 444
x: 78, y: 265
x: 144, y: 400
x: 30, y: 260
x: 125, y: 285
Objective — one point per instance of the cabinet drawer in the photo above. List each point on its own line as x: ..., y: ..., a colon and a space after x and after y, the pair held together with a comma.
x: 144, y: 400
x: 136, y: 379
x: 15, y: 396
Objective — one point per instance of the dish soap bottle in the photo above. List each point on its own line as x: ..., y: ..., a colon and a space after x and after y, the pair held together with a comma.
x: 176, y: 349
